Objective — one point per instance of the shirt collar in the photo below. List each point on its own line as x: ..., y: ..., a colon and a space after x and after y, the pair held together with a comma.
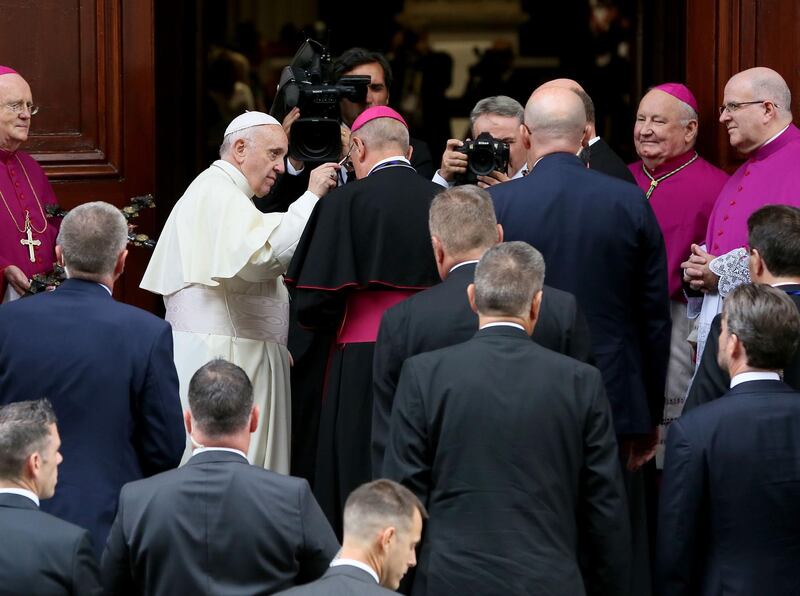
x: 359, y: 564
x: 754, y: 376
x: 461, y: 264
x: 523, y: 171
x: 238, y: 178
x: 199, y: 450
x: 23, y: 492
x: 388, y: 159
x: 592, y: 141
x: 502, y: 324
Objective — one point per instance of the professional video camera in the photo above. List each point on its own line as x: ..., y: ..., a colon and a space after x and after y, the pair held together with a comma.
x: 307, y: 83
x: 484, y: 155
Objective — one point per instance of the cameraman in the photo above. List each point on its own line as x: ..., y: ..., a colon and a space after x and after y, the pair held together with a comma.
x: 502, y: 117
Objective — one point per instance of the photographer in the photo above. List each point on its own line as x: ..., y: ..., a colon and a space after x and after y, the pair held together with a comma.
x: 501, y: 117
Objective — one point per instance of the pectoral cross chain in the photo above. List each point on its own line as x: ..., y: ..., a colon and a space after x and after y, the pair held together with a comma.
x: 29, y: 241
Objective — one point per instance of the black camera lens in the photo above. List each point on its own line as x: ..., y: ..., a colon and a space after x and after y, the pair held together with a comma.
x: 315, y: 140
x: 481, y: 161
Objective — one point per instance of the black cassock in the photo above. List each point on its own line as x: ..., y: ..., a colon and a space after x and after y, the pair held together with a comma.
x: 366, y: 245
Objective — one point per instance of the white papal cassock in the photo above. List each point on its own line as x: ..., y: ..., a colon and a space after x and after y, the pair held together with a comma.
x: 219, y: 264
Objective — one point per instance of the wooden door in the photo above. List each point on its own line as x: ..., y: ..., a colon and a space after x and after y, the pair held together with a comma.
x: 90, y: 66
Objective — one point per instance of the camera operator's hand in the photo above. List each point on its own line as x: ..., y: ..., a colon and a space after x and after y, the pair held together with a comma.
x: 496, y: 177
x: 323, y: 178
x: 290, y: 118
x: 453, y: 162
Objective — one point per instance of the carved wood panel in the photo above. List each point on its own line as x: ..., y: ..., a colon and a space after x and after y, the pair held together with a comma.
x: 90, y: 65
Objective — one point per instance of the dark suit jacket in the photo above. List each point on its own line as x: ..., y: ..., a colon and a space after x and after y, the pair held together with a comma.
x: 711, y: 382
x: 602, y: 243
x: 440, y: 317
x: 216, y: 525
x: 41, y: 555
x: 602, y: 158
x: 107, y: 367
x: 728, y: 520
x: 511, y: 448
x: 343, y: 580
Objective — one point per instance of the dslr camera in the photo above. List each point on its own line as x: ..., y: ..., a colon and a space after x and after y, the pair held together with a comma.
x: 307, y: 83
x: 484, y: 155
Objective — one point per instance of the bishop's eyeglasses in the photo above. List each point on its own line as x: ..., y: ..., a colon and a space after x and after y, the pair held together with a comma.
x: 20, y: 106
x: 733, y: 106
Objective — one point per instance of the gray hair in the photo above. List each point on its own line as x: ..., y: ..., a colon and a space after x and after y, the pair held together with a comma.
x: 767, y: 323
x: 24, y: 430
x: 772, y: 87
x: 384, y: 133
x: 377, y: 505
x: 502, y: 105
x: 246, y: 134
x: 220, y: 398
x: 507, y: 278
x: 91, y: 237
x: 463, y: 218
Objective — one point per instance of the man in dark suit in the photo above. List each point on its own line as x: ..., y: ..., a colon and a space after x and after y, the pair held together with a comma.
x: 603, y: 244
x: 729, y: 519
x: 463, y: 227
x: 107, y: 368
x: 382, y: 527
x: 217, y: 525
x: 511, y: 448
x: 774, y: 241
x: 40, y: 555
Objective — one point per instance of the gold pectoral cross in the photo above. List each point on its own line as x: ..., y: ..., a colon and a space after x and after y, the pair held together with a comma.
x: 653, y: 184
x: 30, y: 242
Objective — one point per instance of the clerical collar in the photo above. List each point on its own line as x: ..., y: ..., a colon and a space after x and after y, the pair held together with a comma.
x: 754, y: 376
x: 22, y: 492
x: 461, y: 264
x: 359, y: 564
x: 236, y: 176
x: 390, y: 162
x: 672, y: 163
x: 773, y: 144
x: 199, y: 450
x: 502, y: 324
x: 5, y: 155
x: 654, y: 181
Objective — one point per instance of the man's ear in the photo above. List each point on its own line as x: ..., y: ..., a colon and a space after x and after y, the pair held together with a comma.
x: 536, y: 305
x: 386, y: 537
x: 471, y: 298
x: 409, y: 153
x: 757, y: 265
x: 438, y: 250
x: 119, y: 267
x: 587, y: 132
x: 525, y: 136
x: 59, y: 255
x: 254, y: 414
x: 187, y: 421
x: 499, y: 233
x: 239, y: 150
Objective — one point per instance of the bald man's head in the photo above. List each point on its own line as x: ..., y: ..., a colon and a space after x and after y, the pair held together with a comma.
x: 567, y: 83
x: 588, y: 104
x: 766, y: 84
x: 556, y: 119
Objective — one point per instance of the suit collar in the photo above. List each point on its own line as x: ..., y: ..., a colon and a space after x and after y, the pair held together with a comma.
x: 503, y: 331
x: 15, y: 501
x: 351, y: 571
x: 760, y: 387
x: 207, y: 457
x: 555, y: 159
x: 463, y: 272
x: 82, y: 285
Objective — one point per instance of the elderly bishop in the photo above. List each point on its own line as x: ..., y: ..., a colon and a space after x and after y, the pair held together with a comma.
x: 219, y: 264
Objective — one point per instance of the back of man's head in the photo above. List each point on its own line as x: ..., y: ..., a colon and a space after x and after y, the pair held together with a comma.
x: 507, y: 278
x: 220, y: 399
x: 24, y: 430
x: 556, y: 117
x: 774, y: 231
x: 767, y: 323
x: 384, y: 135
x: 354, y: 57
x: 463, y: 219
x: 92, y: 237
x: 377, y: 505
x: 500, y: 105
